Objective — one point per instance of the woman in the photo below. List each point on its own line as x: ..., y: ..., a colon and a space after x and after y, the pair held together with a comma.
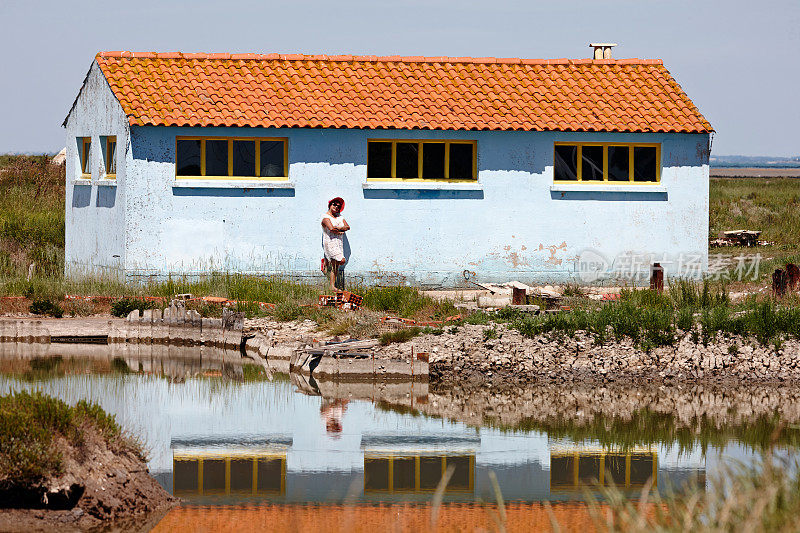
x: 333, y: 228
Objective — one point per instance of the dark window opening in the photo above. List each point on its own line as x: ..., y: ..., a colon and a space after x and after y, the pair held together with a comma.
x: 244, y: 158
x: 562, y: 471
x: 430, y: 472
x: 461, y: 159
x: 216, y: 158
x: 188, y: 158
x: 404, y: 473
x: 433, y: 161
x: 407, y: 160
x: 379, y: 160
x: 270, y: 475
x: 184, y: 476
x: 566, y: 163
x: 592, y: 163
x: 618, y: 163
x: 376, y: 474
x: 271, y: 159
x: 214, y: 475
x: 645, y: 163
x: 460, y: 478
x: 241, y: 478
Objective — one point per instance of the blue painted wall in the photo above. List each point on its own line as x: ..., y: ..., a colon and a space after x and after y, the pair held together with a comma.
x: 513, y: 226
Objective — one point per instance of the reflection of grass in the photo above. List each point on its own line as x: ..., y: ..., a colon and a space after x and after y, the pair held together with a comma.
x: 647, y: 428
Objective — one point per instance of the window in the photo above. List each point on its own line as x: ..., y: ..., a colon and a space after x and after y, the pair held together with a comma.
x: 231, y: 158
x: 606, y: 162
x: 85, y: 149
x: 421, y: 160
x: 111, y: 157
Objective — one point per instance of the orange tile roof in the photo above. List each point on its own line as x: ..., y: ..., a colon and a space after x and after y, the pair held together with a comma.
x: 444, y: 93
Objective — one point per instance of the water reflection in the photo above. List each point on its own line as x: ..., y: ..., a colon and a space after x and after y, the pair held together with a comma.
x: 218, y: 432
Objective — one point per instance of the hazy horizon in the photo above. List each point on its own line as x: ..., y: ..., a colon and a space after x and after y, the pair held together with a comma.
x: 736, y: 60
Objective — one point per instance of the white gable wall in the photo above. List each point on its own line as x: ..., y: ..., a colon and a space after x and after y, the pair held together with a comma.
x: 95, y: 209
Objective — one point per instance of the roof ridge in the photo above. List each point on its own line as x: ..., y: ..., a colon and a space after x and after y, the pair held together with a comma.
x: 376, y: 59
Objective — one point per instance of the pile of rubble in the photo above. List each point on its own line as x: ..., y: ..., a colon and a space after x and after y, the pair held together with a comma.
x: 499, y: 355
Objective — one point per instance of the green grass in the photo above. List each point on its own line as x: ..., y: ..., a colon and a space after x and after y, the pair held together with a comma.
x: 769, y: 205
x: 652, y: 319
x: 31, y: 425
x: 31, y: 216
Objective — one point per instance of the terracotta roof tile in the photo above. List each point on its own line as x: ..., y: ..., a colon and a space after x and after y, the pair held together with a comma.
x: 345, y: 91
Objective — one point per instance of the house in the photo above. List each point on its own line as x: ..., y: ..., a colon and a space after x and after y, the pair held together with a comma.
x: 451, y: 168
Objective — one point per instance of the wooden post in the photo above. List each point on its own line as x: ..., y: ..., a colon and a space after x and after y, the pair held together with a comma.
x: 657, y: 278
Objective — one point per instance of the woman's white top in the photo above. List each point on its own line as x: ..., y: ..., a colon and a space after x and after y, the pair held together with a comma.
x: 333, y: 243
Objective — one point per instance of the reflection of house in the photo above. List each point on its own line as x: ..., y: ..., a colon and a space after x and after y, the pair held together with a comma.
x: 417, y: 472
x: 229, y: 471
x: 575, y: 469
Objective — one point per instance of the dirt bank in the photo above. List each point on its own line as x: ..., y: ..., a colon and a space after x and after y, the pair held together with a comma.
x: 99, y: 487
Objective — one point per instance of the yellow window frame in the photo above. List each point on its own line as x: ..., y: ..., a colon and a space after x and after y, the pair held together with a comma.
x: 86, y: 157
x: 230, y: 176
x: 111, y: 157
x: 390, y: 457
x: 606, y: 145
x: 420, y: 148
x: 255, y: 458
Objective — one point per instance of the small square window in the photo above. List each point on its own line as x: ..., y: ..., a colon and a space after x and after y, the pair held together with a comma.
x: 379, y: 160
x: 461, y: 159
x: 271, y: 159
x: 618, y: 163
x: 433, y: 160
x: 645, y: 163
x: 244, y: 158
x: 85, y: 152
x: 216, y: 158
x: 189, y: 157
x: 110, y: 155
x: 592, y: 163
x: 566, y: 163
x: 407, y: 160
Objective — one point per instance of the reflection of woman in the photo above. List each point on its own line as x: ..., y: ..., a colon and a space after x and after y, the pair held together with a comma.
x: 332, y: 412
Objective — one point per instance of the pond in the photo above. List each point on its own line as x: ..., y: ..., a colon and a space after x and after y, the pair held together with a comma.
x: 226, y: 436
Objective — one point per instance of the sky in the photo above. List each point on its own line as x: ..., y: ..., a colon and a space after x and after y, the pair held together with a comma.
x: 737, y: 60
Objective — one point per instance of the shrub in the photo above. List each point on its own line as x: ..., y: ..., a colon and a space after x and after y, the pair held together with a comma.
x: 124, y: 306
x: 30, y: 424
x: 47, y: 308
x: 285, y: 312
x: 489, y: 333
x: 401, y: 335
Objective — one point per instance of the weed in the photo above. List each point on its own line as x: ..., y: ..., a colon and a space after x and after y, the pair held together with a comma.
x: 285, y: 312
x: 489, y: 333
x: 123, y: 307
x: 685, y: 319
x: 478, y: 318
x: 733, y: 349
x: 47, y: 308
x: 401, y: 335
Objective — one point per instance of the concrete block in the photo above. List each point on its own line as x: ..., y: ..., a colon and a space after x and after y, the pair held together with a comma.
x: 133, y: 316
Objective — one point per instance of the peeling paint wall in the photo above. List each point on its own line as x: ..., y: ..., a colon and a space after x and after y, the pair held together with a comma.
x: 95, y: 209
x: 514, y: 227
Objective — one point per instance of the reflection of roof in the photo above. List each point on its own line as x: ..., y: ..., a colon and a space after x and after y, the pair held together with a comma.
x: 418, y: 444
x: 372, y: 518
x: 444, y: 93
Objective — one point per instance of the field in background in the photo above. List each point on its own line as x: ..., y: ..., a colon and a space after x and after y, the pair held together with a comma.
x: 32, y: 230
